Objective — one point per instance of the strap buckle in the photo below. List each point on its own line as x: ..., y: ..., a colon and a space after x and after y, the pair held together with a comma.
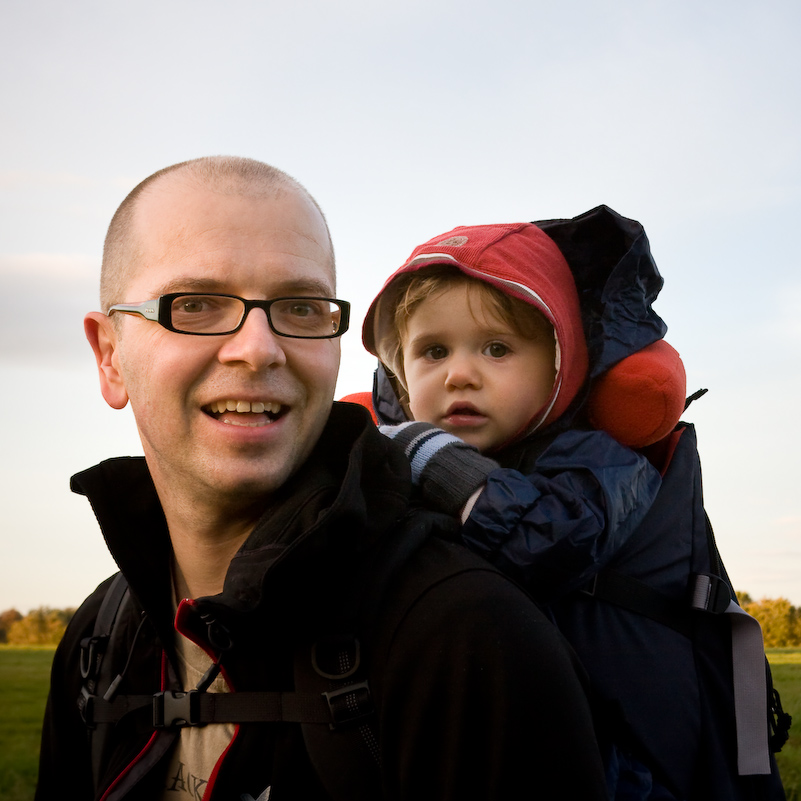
x: 710, y: 593
x: 86, y: 706
x: 349, y: 705
x: 176, y: 709
x: 92, y: 648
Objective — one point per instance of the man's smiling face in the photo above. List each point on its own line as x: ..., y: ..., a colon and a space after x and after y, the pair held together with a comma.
x: 232, y: 415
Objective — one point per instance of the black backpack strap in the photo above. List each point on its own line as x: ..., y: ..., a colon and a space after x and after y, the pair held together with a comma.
x: 96, y: 671
x: 93, y: 648
x: 345, y: 752
x: 706, y: 593
x: 636, y: 596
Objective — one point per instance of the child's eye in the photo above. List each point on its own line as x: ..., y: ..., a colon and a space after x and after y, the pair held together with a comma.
x: 435, y: 352
x: 496, y: 350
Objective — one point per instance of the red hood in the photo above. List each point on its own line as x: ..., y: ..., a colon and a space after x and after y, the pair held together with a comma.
x: 520, y: 260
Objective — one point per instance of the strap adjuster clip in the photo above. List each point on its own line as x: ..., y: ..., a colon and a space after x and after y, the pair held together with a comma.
x: 92, y: 648
x: 710, y: 593
x: 349, y: 705
x: 176, y: 709
x: 86, y: 706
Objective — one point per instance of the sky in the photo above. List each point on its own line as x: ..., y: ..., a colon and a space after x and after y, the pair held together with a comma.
x: 405, y: 120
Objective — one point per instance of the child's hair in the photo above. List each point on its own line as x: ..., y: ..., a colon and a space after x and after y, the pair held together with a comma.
x: 520, y: 316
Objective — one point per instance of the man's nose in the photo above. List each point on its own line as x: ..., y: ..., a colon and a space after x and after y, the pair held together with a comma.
x: 254, y: 344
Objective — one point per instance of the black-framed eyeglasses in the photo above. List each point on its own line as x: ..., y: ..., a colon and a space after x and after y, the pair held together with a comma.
x: 213, y: 314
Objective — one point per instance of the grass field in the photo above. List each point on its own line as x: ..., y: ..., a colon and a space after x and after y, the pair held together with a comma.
x: 24, y: 675
x: 785, y: 664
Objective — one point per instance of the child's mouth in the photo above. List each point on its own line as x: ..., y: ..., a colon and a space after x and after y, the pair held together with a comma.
x: 468, y: 416
x: 463, y: 412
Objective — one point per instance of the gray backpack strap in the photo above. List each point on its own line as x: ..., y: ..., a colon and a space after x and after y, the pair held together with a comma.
x: 750, y: 693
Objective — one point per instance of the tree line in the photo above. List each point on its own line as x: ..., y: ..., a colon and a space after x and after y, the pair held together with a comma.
x: 45, y: 626
x: 777, y: 616
x: 42, y: 626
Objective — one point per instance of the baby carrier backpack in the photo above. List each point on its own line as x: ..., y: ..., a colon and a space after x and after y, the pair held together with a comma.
x: 677, y: 668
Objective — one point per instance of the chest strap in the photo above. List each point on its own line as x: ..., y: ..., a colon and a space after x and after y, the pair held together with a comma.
x: 339, y: 708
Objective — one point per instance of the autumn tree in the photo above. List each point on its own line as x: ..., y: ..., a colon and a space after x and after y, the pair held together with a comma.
x: 779, y: 621
x: 42, y: 626
x: 6, y: 619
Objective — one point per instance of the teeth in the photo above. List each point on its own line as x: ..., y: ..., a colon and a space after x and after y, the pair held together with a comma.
x: 266, y: 422
x: 257, y: 407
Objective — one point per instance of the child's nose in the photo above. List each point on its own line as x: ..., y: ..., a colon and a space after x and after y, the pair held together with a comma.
x: 463, y: 372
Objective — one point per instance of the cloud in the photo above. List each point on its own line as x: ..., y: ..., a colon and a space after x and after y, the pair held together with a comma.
x: 789, y: 520
x: 786, y: 324
x: 42, y: 303
x: 61, y: 266
x: 37, y: 181
x: 26, y: 180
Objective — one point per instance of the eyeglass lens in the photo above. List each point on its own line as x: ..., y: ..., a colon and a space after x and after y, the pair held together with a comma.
x: 215, y: 314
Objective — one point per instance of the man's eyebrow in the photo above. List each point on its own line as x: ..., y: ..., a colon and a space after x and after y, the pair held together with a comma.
x: 302, y: 286
x: 187, y: 284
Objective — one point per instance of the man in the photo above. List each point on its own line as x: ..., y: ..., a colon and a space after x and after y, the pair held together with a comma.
x: 263, y: 520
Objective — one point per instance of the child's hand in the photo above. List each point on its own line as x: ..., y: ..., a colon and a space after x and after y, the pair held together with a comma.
x: 447, y: 469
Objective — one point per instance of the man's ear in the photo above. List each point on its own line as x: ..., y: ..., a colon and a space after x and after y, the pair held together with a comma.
x: 102, y: 336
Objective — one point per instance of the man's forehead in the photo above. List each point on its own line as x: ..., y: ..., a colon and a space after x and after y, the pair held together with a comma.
x: 196, y: 227
x: 190, y: 202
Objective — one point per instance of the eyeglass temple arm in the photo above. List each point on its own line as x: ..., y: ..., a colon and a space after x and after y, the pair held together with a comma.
x: 149, y: 309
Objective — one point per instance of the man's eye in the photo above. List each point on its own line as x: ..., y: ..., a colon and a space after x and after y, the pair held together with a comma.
x: 305, y: 309
x: 496, y: 350
x: 199, y: 304
x: 193, y: 306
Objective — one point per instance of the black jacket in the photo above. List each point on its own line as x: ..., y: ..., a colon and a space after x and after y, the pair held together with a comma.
x: 477, y: 695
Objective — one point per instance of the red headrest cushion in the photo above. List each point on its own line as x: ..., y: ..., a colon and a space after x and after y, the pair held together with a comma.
x: 363, y: 399
x: 640, y: 399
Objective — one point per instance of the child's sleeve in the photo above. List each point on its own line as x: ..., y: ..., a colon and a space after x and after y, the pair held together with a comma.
x: 447, y: 471
x: 554, y: 528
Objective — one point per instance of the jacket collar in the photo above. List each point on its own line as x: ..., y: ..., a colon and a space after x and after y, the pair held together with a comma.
x: 352, y: 489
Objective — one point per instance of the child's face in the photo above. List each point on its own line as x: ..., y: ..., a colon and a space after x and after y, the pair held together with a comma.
x: 469, y: 372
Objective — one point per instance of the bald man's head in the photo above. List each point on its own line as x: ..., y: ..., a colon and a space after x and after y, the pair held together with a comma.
x: 228, y: 175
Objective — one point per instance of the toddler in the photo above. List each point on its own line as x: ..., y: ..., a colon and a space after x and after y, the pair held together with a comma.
x: 481, y: 336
